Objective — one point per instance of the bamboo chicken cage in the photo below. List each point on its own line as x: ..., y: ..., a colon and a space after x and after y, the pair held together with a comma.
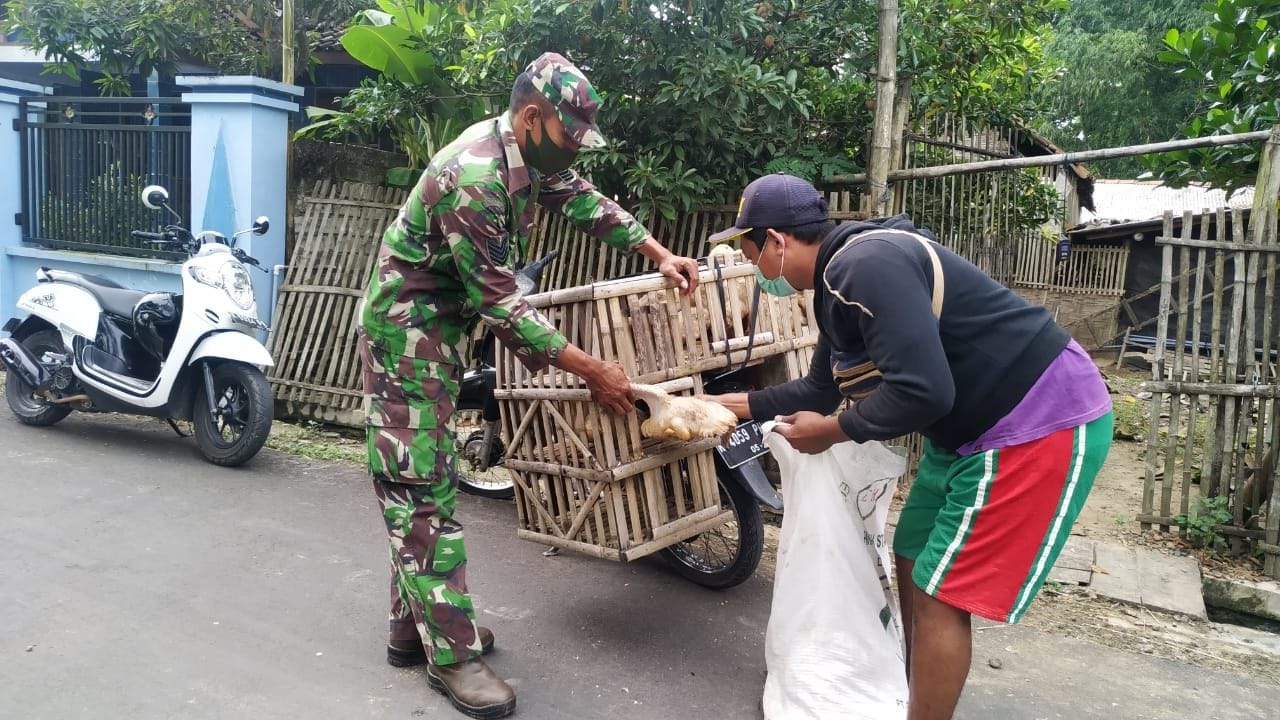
x: 588, y: 481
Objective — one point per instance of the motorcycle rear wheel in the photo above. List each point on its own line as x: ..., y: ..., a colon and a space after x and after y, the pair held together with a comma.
x: 20, y: 396
x: 726, y: 556
x: 495, y: 481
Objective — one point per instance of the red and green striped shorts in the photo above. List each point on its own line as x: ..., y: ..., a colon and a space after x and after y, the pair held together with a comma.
x: 985, y: 529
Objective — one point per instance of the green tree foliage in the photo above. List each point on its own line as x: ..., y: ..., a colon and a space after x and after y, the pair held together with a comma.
x: 1001, y: 205
x: 128, y: 36
x: 105, y: 209
x: 983, y: 61
x: 124, y: 36
x: 706, y: 96
x: 1234, y: 61
x: 232, y: 50
x: 697, y: 99
x: 438, y: 65
x: 700, y: 97
x: 1111, y: 89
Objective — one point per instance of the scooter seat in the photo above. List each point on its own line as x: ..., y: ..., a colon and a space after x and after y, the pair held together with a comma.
x: 114, y: 298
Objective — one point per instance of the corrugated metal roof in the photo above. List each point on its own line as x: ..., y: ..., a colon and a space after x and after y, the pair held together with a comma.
x: 1127, y: 200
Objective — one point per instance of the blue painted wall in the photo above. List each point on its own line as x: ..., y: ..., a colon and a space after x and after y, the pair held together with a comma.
x: 10, y: 182
x: 137, y: 273
x: 239, y: 162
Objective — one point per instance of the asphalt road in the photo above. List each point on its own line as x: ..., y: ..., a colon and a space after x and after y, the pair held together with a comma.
x: 139, y: 582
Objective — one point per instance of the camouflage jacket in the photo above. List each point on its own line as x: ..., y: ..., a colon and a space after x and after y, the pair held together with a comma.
x: 448, y: 259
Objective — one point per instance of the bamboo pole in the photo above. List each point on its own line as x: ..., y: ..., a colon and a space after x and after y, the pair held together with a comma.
x: 1224, y: 529
x: 1250, y: 369
x: 286, y: 50
x: 1220, y: 245
x: 1057, y: 159
x: 882, y: 127
x: 1175, y: 409
x: 1157, y: 375
x: 1266, y: 410
x: 901, y: 113
x: 1239, y: 270
x: 1263, y: 218
x: 1212, y: 462
x: 687, y: 530
x: 1193, y: 411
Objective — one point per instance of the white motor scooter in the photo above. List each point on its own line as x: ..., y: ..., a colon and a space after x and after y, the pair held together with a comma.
x: 89, y: 344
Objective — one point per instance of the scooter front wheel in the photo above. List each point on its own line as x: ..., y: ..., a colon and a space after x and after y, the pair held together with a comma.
x: 727, y: 555
x: 241, y: 419
x: 29, y: 409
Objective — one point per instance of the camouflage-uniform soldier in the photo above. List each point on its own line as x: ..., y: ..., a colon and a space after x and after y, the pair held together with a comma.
x: 446, y: 263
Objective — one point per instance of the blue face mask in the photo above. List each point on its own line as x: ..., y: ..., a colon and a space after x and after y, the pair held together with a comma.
x: 778, y: 286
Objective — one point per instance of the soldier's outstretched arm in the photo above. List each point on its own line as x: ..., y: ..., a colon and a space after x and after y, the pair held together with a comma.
x: 608, y: 382
x: 570, y: 195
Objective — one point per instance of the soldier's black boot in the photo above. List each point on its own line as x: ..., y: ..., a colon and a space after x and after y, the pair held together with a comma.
x: 405, y: 650
x: 474, y: 689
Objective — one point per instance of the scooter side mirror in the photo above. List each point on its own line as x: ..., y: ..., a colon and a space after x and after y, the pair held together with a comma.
x: 154, y: 197
x: 261, y: 225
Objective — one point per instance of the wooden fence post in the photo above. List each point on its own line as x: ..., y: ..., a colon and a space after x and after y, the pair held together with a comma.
x: 901, y: 113
x: 1158, y: 374
x: 1263, y: 224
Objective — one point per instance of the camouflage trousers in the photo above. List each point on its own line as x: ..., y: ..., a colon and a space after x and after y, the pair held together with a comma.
x: 413, y: 460
x: 429, y: 568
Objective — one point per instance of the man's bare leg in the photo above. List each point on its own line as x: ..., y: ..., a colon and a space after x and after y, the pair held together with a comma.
x: 941, y: 650
x: 906, y: 589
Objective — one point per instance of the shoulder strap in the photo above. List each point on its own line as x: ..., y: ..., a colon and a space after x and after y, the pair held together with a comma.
x: 939, y: 283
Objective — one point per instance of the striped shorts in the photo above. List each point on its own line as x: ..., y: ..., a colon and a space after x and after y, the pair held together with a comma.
x: 985, y: 529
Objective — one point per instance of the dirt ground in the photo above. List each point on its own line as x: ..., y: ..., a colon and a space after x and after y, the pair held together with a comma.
x: 1116, y: 498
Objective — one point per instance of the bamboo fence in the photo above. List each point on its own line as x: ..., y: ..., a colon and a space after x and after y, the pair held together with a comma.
x: 977, y: 216
x: 1236, y: 389
x: 1088, y: 270
x: 317, y: 374
x: 1213, y: 427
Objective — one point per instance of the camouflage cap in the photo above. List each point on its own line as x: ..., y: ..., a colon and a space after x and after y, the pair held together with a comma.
x: 569, y: 91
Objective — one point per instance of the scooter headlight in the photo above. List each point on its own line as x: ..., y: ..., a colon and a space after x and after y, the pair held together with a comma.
x: 231, y: 277
x: 204, y: 276
x: 239, y: 287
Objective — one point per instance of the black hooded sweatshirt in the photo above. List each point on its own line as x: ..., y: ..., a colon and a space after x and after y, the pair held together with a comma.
x: 950, y: 378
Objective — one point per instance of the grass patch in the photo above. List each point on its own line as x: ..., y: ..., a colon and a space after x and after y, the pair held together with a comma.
x: 312, y: 440
x: 1132, y: 417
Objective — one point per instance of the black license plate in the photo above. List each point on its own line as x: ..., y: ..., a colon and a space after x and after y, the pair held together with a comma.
x: 745, y: 445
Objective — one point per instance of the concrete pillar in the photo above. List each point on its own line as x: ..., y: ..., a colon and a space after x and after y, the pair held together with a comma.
x: 11, y: 184
x: 239, y: 164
